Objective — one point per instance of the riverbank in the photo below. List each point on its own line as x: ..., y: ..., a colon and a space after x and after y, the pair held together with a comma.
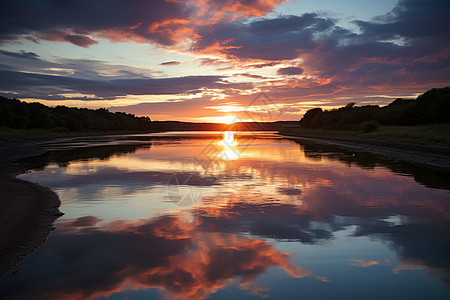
x: 42, y: 133
x: 28, y: 210
x: 436, y: 135
x: 18, y: 144
x: 27, y: 214
x: 412, y: 148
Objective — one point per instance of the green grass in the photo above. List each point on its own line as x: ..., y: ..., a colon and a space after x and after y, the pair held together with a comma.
x: 435, y: 134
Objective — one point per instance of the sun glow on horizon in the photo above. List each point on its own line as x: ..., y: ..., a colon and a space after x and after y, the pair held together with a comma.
x: 226, y: 120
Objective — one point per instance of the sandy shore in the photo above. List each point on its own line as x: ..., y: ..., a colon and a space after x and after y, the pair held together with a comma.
x: 27, y: 213
x: 14, y: 149
x: 419, y: 154
x: 27, y: 210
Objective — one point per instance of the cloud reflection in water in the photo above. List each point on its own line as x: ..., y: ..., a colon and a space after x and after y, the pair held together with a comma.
x: 89, y: 260
x: 277, y: 191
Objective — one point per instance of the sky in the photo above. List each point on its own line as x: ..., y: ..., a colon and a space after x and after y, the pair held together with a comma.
x: 222, y: 60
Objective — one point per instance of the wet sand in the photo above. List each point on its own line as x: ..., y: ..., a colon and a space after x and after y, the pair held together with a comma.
x: 27, y: 213
x: 27, y: 210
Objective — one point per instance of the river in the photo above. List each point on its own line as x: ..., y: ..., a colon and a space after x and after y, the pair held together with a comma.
x: 236, y: 215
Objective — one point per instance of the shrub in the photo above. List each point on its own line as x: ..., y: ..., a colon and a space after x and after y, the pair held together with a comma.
x: 367, y: 126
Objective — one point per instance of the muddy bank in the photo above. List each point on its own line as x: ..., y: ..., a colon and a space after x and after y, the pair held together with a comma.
x: 27, y: 213
x: 27, y: 210
x: 14, y: 149
x: 419, y: 154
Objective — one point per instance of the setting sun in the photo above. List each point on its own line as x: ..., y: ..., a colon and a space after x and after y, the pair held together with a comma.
x: 227, y: 120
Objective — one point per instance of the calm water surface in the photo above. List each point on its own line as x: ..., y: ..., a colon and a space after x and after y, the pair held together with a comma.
x: 233, y: 216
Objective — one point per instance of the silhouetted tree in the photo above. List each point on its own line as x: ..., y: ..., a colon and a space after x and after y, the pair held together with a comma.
x: 431, y: 107
x: 309, y: 116
x: 22, y: 115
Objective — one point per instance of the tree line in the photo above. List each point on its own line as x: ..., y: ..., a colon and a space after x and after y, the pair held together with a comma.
x: 431, y: 107
x: 22, y: 115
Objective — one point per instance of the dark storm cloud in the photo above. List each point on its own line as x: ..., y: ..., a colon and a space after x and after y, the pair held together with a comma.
x: 411, y: 39
x: 290, y: 71
x: 74, y: 19
x: 411, y: 19
x: 409, y: 44
x: 288, y: 36
x: 79, y: 68
x: 31, y: 85
x: 267, y: 39
x: 21, y: 54
x: 157, y: 21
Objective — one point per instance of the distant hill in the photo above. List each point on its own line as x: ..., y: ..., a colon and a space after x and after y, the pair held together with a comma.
x: 431, y: 107
x: 18, y: 114
x: 238, y: 126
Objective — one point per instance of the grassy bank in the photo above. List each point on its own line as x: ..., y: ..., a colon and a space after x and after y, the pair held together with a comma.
x: 11, y: 132
x: 433, y: 134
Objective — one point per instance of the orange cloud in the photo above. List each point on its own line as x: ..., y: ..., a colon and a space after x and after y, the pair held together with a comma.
x: 232, y: 9
x: 176, y: 30
x: 363, y: 263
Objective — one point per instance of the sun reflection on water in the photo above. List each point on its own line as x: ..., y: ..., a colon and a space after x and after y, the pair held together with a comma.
x: 229, y: 145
